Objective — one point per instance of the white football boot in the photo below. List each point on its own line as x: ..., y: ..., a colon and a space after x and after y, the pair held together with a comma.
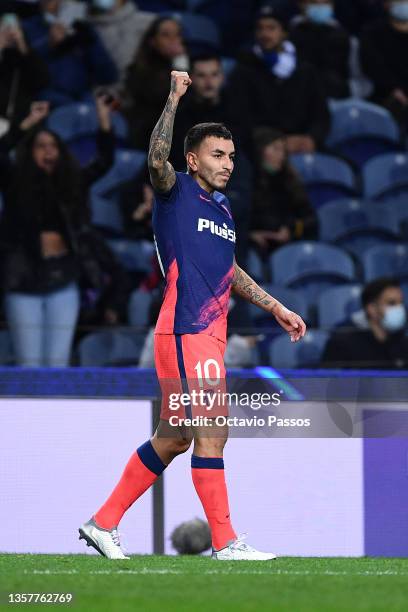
x: 238, y: 550
x: 105, y: 541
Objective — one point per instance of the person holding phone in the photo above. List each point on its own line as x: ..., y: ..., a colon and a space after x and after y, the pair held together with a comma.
x: 76, y: 58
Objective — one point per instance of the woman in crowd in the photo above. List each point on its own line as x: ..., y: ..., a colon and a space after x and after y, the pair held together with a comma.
x: 281, y: 209
x: 148, y: 77
x: 45, y: 209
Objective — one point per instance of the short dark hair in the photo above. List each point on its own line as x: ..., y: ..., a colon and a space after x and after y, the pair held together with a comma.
x: 204, y: 57
x: 373, y: 290
x: 199, y: 132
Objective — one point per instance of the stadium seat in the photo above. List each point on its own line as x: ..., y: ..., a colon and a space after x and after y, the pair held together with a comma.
x: 311, y: 268
x: 361, y: 130
x: 356, y: 226
x: 138, y: 308
x: 134, y: 255
x: 308, y: 353
x: 296, y: 262
x: 6, y: 348
x: 327, y: 177
x: 254, y: 265
x: 384, y: 174
x: 117, y: 347
x: 336, y: 305
x: 386, y: 260
x: 200, y: 32
x: 105, y: 211
x: 77, y: 125
x: 288, y: 297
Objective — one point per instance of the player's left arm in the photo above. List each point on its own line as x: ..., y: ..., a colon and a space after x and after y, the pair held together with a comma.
x: 247, y: 288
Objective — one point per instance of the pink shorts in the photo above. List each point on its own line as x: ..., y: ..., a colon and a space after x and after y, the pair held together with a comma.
x: 190, y: 365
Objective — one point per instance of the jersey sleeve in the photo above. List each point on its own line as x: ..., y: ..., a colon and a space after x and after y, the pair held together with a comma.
x: 169, y: 197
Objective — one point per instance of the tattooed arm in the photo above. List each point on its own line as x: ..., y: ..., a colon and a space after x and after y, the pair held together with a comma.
x: 162, y: 173
x: 248, y: 289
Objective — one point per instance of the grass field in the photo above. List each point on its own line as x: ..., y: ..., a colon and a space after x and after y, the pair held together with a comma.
x: 150, y: 583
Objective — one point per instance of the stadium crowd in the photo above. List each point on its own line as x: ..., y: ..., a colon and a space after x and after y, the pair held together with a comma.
x: 315, y: 93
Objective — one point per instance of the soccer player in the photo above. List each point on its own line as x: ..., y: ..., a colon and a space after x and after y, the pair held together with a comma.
x: 195, y: 238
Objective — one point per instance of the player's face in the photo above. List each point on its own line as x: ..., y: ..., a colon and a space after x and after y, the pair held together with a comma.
x: 207, y: 78
x: 213, y: 163
x: 269, y: 34
x: 46, y: 152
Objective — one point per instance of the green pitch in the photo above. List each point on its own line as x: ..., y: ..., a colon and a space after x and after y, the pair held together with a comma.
x: 150, y: 583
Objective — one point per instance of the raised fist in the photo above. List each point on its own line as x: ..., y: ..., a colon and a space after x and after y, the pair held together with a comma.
x: 180, y: 82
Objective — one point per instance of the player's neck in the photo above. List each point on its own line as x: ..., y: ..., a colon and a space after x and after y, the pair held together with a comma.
x: 203, y: 183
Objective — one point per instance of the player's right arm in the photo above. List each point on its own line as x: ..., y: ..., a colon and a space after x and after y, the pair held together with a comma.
x: 162, y: 173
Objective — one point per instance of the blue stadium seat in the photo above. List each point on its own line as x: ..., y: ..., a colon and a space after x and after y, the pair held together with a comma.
x: 289, y: 297
x: 361, y: 130
x: 199, y: 31
x: 336, y: 305
x: 77, y: 125
x: 116, y: 347
x: 300, y: 261
x: 308, y: 353
x: 138, y: 308
x: 356, y: 226
x: 385, y: 173
x: 254, y: 265
x: 105, y: 211
x: 6, y: 348
x: 386, y: 260
x: 134, y: 255
x: 327, y: 177
x: 311, y: 267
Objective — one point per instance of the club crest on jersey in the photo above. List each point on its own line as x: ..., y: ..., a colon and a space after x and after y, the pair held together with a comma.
x: 222, y: 231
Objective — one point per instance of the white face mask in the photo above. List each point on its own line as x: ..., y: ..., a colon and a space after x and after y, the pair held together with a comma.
x: 399, y: 11
x: 395, y: 318
x: 104, y: 5
x: 320, y: 13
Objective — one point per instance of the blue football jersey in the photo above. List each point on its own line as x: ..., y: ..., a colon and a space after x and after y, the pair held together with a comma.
x: 195, y: 241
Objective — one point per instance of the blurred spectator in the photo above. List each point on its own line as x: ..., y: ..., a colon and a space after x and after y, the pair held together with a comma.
x: 45, y: 210
x: 120, y: 25
x: 320, y: 40
x: 206, y: 101
x: 76, y: 58
x: 136, y: 203
x: 22, y: 72
x: 281, y: 210
x: 105, y: 284
x: 384, y: 49
x: 383, y: 344
x: 272, y: 88
x: 148, y: 77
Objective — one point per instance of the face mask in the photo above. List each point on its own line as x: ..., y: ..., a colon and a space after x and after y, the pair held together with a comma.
x: 50, y: 18
x: 395, y: 318
x: 399, y: 10
x: 104, y: 5
x: 319, y: 13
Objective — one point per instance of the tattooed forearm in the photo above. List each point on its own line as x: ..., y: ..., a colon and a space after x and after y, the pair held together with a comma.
x: 161, y: 171
x: 247, y: 288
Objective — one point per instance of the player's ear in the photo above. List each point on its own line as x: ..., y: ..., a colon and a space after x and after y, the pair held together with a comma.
x: 192, y: 161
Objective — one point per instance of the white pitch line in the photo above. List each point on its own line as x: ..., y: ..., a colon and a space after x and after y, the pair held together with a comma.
x: 231, y: 572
